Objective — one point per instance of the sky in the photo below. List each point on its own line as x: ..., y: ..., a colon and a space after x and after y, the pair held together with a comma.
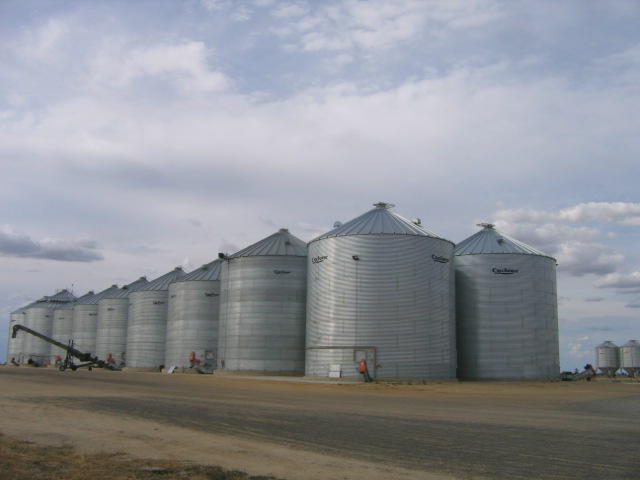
x: 137, y: 136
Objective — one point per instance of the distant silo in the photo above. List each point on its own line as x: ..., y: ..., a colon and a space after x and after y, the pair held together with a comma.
x: 262, y: 307
x: 192, y: 321
x: 147, y: 324
x: 39, y: 317
x: 381, y: 288
x: 85, y: 320
x: 630, y: 358
x: 506, y: 309
x: 608, y: 358
x: 113, y: 316
x: 62, y: 329
x: 14, y: 346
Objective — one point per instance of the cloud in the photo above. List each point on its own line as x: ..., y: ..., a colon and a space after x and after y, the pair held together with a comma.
x: 14, y: 244
x: 594, y: 299
x: 184, y: 65
x: 618, y: 280
x: 578, y: 248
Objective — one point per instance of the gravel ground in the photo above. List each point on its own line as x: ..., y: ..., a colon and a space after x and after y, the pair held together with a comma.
x: 308, y: 430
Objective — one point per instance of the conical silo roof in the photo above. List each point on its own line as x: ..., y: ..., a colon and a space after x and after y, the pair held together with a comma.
x: 162, y: 283
x: 380, y: 221
x: 208, y: 271
x: 489, y: 240
x: 70, y: 305
x: 54, y: 301
x: 93, y: 299
x: 127, y: 289
x: 281, y: 243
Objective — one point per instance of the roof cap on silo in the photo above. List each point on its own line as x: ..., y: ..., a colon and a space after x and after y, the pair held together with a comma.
x: 380, y: 221
x: 162, y: 283
x: 632, y: 343
x: 492, y: 240
x: 607, y: 344
x: 281, y: 243
x: 208, y: 271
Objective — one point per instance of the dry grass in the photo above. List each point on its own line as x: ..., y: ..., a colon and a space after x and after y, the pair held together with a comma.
x: 20, y: 460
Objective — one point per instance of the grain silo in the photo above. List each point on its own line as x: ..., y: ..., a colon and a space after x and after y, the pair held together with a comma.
x: 192, y: 320
x: 85, y: 320
x: 262, y: 307
x: 39, y: 317
x: 506, y: 309
x: 62, y: 329
x: 147, y: 324
x: 381, y: 288
x: 113, y: 316
x: 630, y: 358
x: 608, y: 358
x: 14, y: 345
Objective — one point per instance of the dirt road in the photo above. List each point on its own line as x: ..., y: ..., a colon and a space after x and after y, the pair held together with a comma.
x: 301, y: 430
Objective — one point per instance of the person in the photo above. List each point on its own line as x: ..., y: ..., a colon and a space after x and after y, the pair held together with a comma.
x: 362, y: 368
x: 13, y: 362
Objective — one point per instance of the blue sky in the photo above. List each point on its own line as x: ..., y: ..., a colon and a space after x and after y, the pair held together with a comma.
x: 139, y: 136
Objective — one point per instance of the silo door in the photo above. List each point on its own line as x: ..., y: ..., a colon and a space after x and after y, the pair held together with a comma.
x: 369, y: 355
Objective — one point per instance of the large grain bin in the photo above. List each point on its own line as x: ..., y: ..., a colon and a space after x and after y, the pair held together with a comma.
x: 14, y: 345
x: 381, y: 288
x: 262, y: 307
x: 39, y: 317
x: 147, y: 324
x: 62, y: 329
x: 113, y: 316
x: 85, y: 320
x: 506, y: 308
x: 192, y: 321
x: 608, y: 358
x: 630, y: 358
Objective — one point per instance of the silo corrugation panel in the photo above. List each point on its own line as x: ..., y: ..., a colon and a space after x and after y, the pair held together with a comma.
x: 113, y: 315
x: 380, y: 287
x: 39, y: 317
x: 506, y: 309
x: 85, y: 320
x: 62, y: 329
x: 192, y: 321
x: 147, y: 324
x: 262, y: 307
x: 630, y: 357
x: 608, y: 358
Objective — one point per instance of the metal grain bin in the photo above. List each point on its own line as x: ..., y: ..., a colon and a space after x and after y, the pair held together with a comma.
x: 262, y: 307
x: 85, y: 320
x: 630, y: 358
x: 506, y: 308
x: 381, y: 288
x: 147, y: 324
x: 113, y: 316
x: 62, y: 329
x: 39, y: 317
x: 192, y: 321
x: 14, y: 345
x: 608, y: 358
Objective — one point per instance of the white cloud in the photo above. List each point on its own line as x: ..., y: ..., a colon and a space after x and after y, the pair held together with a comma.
x: 185, y: 65
x: 618, y: 280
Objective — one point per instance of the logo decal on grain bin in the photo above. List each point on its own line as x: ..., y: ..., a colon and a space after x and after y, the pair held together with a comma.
x: 319, y: 259
x: 505, y: 271
x: 439, y: 259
